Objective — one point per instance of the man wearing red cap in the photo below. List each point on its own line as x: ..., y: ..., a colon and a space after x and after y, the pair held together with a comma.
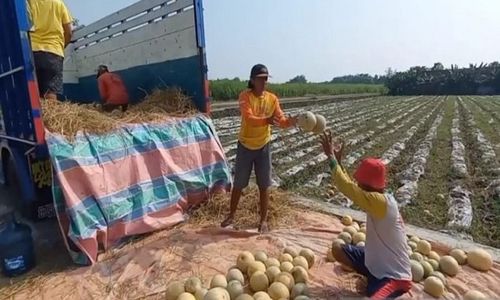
x: 384, y: 260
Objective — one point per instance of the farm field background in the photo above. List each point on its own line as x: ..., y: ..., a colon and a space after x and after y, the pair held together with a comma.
x: 442, y: 152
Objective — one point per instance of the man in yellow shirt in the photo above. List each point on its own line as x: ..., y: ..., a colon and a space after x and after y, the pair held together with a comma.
x: 50, y: 35
x: 259, y: 110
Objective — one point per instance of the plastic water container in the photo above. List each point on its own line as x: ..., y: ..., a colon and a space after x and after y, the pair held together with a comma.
x: 16, y: 247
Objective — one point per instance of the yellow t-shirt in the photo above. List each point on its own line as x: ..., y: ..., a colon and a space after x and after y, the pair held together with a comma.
x: 255, y: 131
x: 47, y: 18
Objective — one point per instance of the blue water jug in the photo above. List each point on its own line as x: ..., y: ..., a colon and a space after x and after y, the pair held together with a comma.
x: 16, y: 247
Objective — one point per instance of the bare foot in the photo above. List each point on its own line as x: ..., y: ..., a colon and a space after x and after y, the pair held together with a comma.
x: 228, y: 221
x: 263, y: 228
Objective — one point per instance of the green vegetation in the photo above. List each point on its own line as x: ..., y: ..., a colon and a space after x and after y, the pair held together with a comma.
x: 227, y: 89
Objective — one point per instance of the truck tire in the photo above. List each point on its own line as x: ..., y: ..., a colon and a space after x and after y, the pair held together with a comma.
x: 13, y: 195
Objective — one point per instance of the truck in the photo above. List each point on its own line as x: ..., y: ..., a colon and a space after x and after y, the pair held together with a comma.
x: 151, y: 44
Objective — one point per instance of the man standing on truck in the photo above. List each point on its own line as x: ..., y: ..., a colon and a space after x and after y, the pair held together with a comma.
x: 50, y: 35
x: 259, y: 110
x: 113, y: 92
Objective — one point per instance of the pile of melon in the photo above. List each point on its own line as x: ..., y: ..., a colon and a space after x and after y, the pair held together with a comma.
x: 353, y: 233
x: 310, y: 122
x: 254, y: 277
x: 428, y: 266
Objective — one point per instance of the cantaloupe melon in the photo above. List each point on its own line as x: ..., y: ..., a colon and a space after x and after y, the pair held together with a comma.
x: 259, y: 281
x: 174, y: 290
x: 434, y: 286
x: 186, y: 296
x: 440, y: 276
x: 320, y: 124
x: 417, y: 271
x: 272, y: 262
x: 362, y: 229
x: 261, y: 296
x: 414, y: 238
x: 350, y: 229
x: 355, y: 225
x: 307, y: 121
x: 413, y: 245
x: 192, y: 285
x: 254, y: 267
x: 235, y: 288
x: 424, y: 247
x: 218, y: 280
x: 338, y: 242
x: 285, y: 257
x: 217, y: 293
x: 417, y: 256
x: 286, y: 279
x: 434, y: 263
x: 200, y: 293
x: 434, y: 255
x: 299, y: 289
x: 244, y: 259
x: 459, y: 255
x: 346, y: 237
x: 480, y: 260
x: 300, y: 275
x: 260, y: 256
x: 449, y: 265
x: 346, y: 220
x: 474, y: 295
x: 329, y: 255
x: 292, y: 251
x: 360, y: 244
x: 358, y: 237
x: 428, y: 269
x: 301, y: 261
x: 272, y: 272
x: 286, y: 267
x: 235, y: 274
x: 245, y: 297
x: 309, y: 255
x: 278, y: 291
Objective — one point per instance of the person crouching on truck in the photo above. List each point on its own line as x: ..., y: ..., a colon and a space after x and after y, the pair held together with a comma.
x: 50, y: 35
x: 384, y: 260
x: 259, y: 110
x: 113, y: 92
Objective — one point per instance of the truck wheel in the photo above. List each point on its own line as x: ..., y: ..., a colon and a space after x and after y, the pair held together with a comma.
x: 13, y: 195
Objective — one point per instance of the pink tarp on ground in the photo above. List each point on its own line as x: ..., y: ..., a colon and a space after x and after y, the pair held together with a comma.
x: 141, y: 270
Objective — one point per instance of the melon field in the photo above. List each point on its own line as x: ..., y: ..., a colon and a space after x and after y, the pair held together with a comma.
x: 442, y: 154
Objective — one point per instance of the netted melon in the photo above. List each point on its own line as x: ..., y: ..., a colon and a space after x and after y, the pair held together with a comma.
x: 259, y: 281
x: 245, y: 297
x: 307, y: 121
x: 272, y: 272
x: 218, y: 280
x: 346, y: 237
x: 360, y: 244
x: 235, y: 274
x: 300, y: 275
x: 412, y: 245
x: 449, y: 265
x: 414, y: 238
x: 261, y: 296
x: 200, y: 293
x: 440, y: 276
x: 286, y: 279
x: 285, y: 257
x: 417, y: 256
x: 292, y: 251
x: 434, y: 287
x: 192, y: 285
x: 434, y: 263
x: 286, y: 267
x: 244, y: 259
x: 308, y: 254
x: 320, y: 124
x: 459, y: 255
x: 278, y: 291
x: 434, y: 255
x: 186, y: 296
x: 217, y: 293
x: 235, y: 288
x: 358, y: 237
x: 474, y: 295
x: 260, y: 256
x: 428, y: 269
x: 254, y: 267
x: 272, y: 262
x: 350, y: 229
x: 417, y: 271
x: 174, y: 290
x: 480, y: 260
x: 337, y: 242
x: 346, y: 220
x: 301, y: 261
x: 424, y: 247
x: 356, y: 225
x: 299, y: 289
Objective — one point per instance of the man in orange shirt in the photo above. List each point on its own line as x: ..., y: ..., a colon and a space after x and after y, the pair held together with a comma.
x: 259, y: 110
x: 112, y: 89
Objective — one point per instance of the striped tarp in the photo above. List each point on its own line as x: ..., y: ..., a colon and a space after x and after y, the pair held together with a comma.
x: 134, y: 180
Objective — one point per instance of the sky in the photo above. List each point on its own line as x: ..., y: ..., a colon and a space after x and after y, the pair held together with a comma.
x: 322, y: 39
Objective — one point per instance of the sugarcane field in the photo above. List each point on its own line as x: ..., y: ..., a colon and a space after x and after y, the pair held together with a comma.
x: 239, y: 150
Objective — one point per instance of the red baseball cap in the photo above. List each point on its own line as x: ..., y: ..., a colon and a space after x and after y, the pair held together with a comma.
x: 371, y: 172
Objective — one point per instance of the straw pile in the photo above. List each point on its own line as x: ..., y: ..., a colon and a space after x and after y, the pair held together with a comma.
x: 280, y: 213
x: 67, y: 118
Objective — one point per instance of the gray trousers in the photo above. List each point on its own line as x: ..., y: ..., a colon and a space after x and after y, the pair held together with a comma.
x: 246, y: 160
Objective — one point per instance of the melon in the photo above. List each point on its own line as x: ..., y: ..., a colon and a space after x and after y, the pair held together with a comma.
x: 307, y: 121
x: 261, y: 296
x: 320, y: 124
x: 217, y: 293
x: 244, y: 259
x: 412, y: 245
x: 338, y: 242
x: 244, y: 297
x: 329, y: 255
x: 415, y: 239
x: 235, y: 274
x: 346, y: 220
x: 286, y: 257
x: 360, y: 244
x: 358, y: 237
x: 362, y: 229
x: 417, y: 256
x: 270, y: 262
x: 292, y: 251
x: 218, y: 280
x: 278, y: 291
x: 417, y: 271
x: 424, y: 247
x: 272, y: 272
x: 428, y: 269
x: 286, y: 267
x: 235, y: 288
x: 449, y: 265
x: 259, y: 282
x: 186, y: 296
x: 260, y: 256
x: 286, y: 279
x: 434, y: 263
x: 346, y: 237
x: 356, y: 225
x: 434, y: 287
x: 200, y: 293
x: 192, y: 285
x: 300, y: 275
x: 350, y: 229
x: 174, y: 290
x: 301, y: 261
x: 298, y: 290
x: 434, y: 255
x: 459, y: 255
x: 254, y: 267
x: 480, y: 260
x: 308, y: 254
x: 440, y: 276
x: 474, y: 295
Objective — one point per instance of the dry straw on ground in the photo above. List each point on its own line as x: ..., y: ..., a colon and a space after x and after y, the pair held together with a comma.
x: 67, y: 118
x: 280, y: 214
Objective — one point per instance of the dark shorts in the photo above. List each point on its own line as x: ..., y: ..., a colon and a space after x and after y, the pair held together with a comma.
x: 108, y: 107
x: 385, y: 288
x: 246, y: 160
x: 49, y: 72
